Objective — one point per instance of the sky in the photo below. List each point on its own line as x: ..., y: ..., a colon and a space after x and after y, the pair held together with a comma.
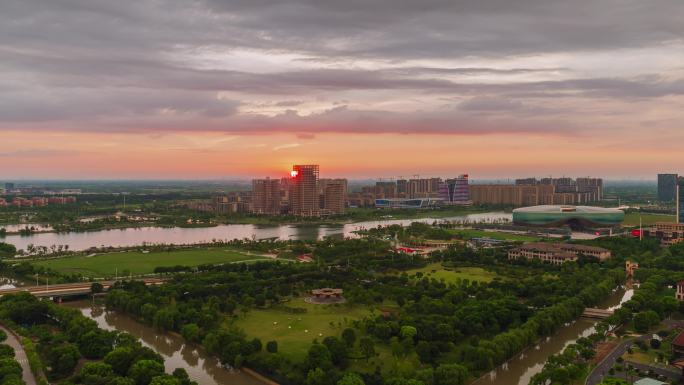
x: 159, y: 89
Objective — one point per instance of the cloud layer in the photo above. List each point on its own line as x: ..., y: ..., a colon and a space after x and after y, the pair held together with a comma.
x: 584, y: 68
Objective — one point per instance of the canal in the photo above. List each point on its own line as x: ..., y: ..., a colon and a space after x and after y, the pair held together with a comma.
x: 201, y: 367
x: 521, y: 368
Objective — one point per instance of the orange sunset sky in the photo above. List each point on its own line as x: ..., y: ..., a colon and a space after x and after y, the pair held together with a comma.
x: 215, y: 89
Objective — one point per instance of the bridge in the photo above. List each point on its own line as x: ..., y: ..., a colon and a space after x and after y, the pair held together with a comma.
x: 68, y: 289
x: 597, y: 313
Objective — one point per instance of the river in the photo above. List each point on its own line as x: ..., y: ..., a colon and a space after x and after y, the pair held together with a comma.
x: 201, y: 367
x: 206, y: 370
x: 156, y: 235
x: 521, y: 368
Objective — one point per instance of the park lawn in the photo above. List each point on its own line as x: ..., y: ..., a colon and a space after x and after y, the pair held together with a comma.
x: 502, y: 236
x: 135, y: 262
x: 438, y: 272
x: 384, y: 360
x: 295, y: 332
x: 632, y: 219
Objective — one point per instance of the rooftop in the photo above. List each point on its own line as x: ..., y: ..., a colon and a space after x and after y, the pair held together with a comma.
x: 679, y: 340
x: 544, y: 246
x: 566, y: 209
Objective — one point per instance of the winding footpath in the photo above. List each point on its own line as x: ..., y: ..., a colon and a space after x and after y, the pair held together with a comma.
x: 20, y: 356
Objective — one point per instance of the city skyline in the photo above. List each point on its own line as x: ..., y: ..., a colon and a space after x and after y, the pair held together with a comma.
x: 168, y: 89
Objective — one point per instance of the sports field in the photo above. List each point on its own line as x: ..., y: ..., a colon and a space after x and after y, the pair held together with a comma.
x: 436, y: 271
x: 632, y: 219
x: 295, y: 332
x: 500, y: 235
x: 135, y: 262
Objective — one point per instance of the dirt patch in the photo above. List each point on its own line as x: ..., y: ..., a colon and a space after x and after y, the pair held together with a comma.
x: 602, y: 350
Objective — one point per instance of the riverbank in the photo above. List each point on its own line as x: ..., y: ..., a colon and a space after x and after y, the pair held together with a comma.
x: 153, y: 235
x: 201, y: 367
x: 355, y: 215
x: 530, y: 361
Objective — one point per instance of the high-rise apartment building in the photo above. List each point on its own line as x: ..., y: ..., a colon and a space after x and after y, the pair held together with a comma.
x: 516, y: 195
x: 304, y: 196
x: 680, y: 200
x: 667, y: 187
x: 402, y: 186
x: 592, y: 186
x: 455, y: 191
x: 333, y: 194
x: 266, y: 196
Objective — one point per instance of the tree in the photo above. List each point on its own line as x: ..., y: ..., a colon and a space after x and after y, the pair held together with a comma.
x: 319, y: 357
x: 6, y: 351
x: 408, y: 332
x: 182, y: 376
x: 316, y: 377
x: 272, y: 346
x: 349, y: 336
x: 351, y: 379
x: 451, y: 374
x: 143, y: 371
x: 191, y: 332
x: 96, y: 288
x: 96, y: 373
x: 120, y: 359
x: 7, y: 250
x: 338, y: 351
x: 367, y: 347
x: 3, y: 336
x: 96, y: 343
x: 655, y: 343
x: 63, y: 359
x: 165, y: 380
x: 425, y: 352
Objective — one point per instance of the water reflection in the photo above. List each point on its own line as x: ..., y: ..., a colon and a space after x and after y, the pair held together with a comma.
x: 201, y: 367
x: 138, y: 236
x: 522, y: 368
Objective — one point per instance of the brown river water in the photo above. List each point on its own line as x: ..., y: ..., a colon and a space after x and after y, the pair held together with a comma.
x: 520, y: 369
x: 201, y: 367
x: 206, y: 370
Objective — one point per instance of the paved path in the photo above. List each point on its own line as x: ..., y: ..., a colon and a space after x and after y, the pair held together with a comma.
x: 601, y: 370
x: 20, y: 356
x: 672, y: 374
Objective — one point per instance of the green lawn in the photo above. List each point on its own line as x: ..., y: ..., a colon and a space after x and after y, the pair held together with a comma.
x: 436, y: 271
x: 468, y: 233
x: 295, y: 332
x: 105, y: 265
x: 632, y: 219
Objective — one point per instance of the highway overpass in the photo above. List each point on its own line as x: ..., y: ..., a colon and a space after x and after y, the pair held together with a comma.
x: 69, y: 289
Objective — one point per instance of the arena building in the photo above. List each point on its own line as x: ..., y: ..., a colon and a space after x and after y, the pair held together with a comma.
x: 573, y: 216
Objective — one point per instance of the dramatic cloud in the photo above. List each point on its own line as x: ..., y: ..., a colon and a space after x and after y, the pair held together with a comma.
x: 544, y: 68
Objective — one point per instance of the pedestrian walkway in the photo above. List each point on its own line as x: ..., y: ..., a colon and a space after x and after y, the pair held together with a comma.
x: 20, y: 356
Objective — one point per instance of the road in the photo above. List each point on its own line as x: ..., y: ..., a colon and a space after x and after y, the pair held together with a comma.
x: 601, y: 370
x: 69, y: 288
x: 20, y: 356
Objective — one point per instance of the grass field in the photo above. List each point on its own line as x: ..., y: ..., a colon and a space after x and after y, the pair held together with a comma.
x: 468, y: 233
x: 632, y: 219
x: 105, y: 265
x: 295, y: 332
x: 436, y: 271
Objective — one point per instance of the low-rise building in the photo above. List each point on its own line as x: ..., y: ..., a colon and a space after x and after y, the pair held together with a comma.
x: 668, y: 233
x: 557, y: 253
x: 679, y: 294
x: 630, y: 268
